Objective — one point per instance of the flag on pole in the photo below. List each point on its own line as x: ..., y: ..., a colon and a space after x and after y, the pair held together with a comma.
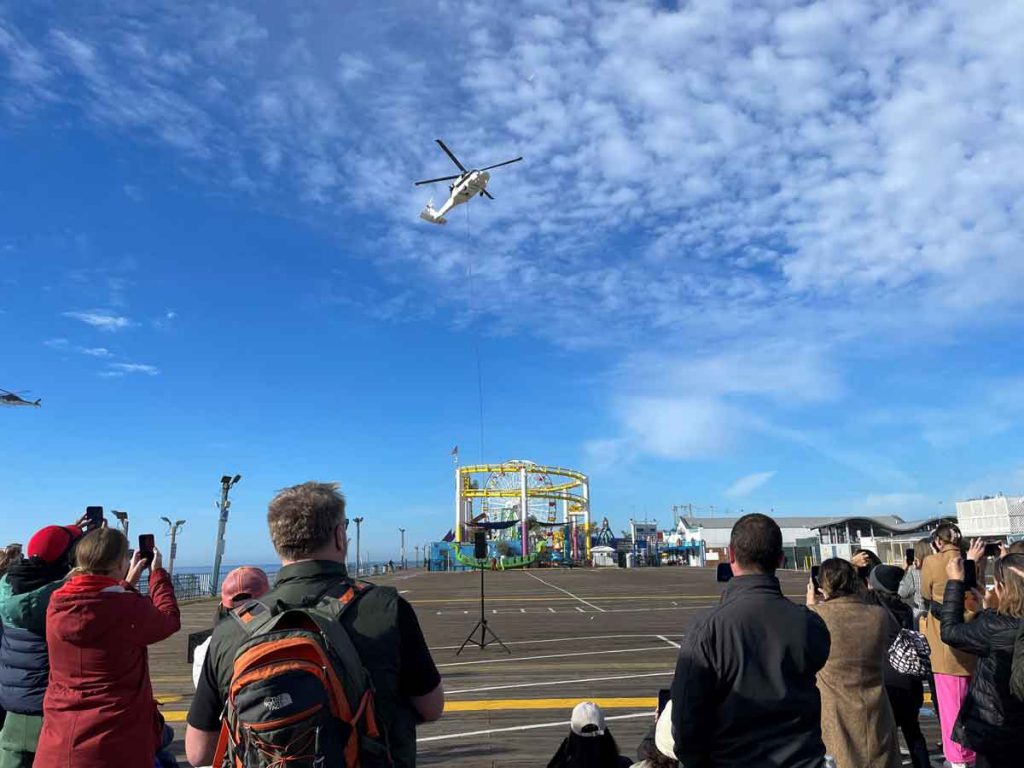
x: 450, y: 536
x: 455, y: 454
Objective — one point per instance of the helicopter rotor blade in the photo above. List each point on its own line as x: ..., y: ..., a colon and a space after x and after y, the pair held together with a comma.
x: 442, y: 178
x: 498, y: 165
x: 451, y: 155
x: 486, y: 194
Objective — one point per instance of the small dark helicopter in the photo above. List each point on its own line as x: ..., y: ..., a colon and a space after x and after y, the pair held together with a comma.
x: 14, y: 399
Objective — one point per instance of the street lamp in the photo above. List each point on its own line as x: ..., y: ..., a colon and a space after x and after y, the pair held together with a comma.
x: 402, y: 559
x: 226, y: 484
x: 416, y: 558
x: 122, y: 520
x: 172, y: 531
x: 358, y: 521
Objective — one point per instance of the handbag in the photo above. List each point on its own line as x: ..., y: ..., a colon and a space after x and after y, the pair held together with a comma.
x: 910, y: 654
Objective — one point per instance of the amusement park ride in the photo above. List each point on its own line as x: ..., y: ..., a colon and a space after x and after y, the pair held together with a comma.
x: 532, y: 510
x: 464, y: 186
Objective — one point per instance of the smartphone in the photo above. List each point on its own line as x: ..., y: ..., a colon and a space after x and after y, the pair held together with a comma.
x: 146, y: 546
x: 723, y: 573
x: 815, y: 570
x: 93, y: 518
x: 970, y: 575
x: 909, y: 557
x: 664, y: 695
x: 992, y: 549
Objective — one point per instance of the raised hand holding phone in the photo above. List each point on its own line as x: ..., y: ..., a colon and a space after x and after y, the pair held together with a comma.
x: 135, y: 569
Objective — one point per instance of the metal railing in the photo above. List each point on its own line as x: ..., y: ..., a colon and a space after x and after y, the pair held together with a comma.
x: 187, y: 586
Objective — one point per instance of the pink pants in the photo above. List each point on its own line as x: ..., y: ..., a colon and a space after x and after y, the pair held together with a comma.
x: 951, y: 691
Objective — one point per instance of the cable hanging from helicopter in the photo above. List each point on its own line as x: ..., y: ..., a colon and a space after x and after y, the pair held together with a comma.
x: 463, y: 188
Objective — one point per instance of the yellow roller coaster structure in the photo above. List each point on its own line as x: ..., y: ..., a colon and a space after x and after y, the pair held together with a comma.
x: 518, y: 490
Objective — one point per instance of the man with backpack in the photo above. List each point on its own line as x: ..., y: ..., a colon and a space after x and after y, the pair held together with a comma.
x: 321, y: 667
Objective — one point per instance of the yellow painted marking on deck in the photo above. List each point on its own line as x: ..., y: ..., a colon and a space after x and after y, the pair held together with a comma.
x: 493, y: 705
x: 490, y: 705
x: 169, y: 699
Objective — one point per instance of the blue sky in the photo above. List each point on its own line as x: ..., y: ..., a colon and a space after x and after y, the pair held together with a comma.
x: 761, y: 255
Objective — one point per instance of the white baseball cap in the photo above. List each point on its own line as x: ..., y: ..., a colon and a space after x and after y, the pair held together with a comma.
x: 587, y: 719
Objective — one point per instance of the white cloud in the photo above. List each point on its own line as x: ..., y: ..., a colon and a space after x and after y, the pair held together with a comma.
x: 105, y: 321
x: 96, y: 351
x: 117, y: 369
x: 753, y: 199
x: 748, y: 484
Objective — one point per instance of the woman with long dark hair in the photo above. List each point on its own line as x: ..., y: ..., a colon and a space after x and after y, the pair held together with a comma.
x: 857, y: 723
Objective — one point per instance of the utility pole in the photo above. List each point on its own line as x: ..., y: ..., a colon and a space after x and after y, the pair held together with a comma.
x: 358, y: 521
x: 403, y: 548
x: 416, y: 559
x: 122, y: 521
x: 172, y: 531
x: 227, y: 482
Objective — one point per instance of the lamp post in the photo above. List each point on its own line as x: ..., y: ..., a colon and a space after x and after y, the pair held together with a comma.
x: 172, y: 531
x: 402, y: 558
x: 416, y: 558
x: 227, y: 482
x: 122, y: 520
x: 358, y: 521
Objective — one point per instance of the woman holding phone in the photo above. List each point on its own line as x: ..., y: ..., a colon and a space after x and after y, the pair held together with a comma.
x: 952, y: 668
x: 99, y: 709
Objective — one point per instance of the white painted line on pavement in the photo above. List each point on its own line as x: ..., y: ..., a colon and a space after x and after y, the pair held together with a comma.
x: 551, y: 609
x: 562, y: 723
x: 506, y: 659
x: 564, y: 591
x: 580, y: 609
x: 670, y: 642
x: 553, y: 640
x: 542, y: 683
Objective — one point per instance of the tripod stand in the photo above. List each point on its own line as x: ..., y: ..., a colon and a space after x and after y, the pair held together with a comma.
x: 481, y: 625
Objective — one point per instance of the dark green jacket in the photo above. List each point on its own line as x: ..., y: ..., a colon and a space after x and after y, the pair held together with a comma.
x: 372, y: 623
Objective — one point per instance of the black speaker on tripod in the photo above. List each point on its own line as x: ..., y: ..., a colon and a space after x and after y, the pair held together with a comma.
x: 481, y: 555
x: 480, y: 545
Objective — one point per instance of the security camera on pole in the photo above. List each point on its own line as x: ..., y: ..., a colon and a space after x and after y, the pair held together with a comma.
x: 226, y: 484
x: 122, y: 520
x: 403, y: 548
x: 172, y: 531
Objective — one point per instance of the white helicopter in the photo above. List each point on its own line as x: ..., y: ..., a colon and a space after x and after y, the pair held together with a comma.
x: 463, y: 188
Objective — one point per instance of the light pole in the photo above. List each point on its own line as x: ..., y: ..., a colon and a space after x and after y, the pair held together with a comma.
x: 227, y: 482
x: 416, y: 558
x: 402, y: 559
x: 358, y: 521
x: 172, y: 531
x: 122, y: 520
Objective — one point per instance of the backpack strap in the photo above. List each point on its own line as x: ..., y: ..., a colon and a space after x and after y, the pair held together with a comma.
x: 328, y: 612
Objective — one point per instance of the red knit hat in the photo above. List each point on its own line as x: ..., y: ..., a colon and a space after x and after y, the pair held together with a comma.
x: 246, y: 580
x: 51, y: 543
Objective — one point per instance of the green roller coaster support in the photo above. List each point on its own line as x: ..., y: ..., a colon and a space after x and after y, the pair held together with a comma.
x: 485, y: 564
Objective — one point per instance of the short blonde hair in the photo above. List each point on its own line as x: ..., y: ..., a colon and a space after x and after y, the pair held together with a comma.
x: 302, y: 518
x: 100, y: 551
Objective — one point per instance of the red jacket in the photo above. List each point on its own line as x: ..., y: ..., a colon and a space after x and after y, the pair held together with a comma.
x: 99, y: 709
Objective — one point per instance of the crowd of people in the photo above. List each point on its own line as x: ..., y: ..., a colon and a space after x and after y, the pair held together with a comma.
x: 762, y: 681
x: 321, y: 669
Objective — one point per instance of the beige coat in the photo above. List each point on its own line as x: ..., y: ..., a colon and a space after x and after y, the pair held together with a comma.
x: 945, y: 660
x: 857, y: 723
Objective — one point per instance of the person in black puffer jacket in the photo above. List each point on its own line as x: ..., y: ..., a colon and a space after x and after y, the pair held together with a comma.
x: 24, y: 660
x: 906, y: 693
x: 991, y: 720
